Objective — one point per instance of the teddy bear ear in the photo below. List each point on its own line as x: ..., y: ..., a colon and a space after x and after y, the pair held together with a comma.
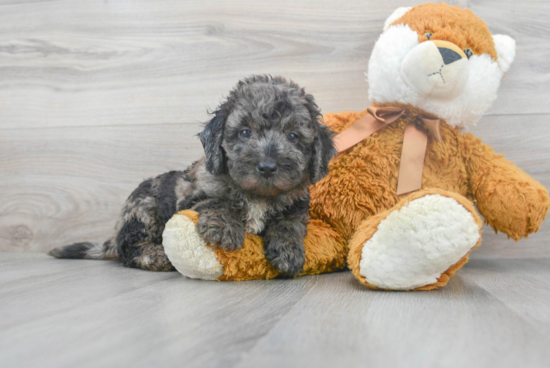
x: 398, y: 13
x: 506, y: 51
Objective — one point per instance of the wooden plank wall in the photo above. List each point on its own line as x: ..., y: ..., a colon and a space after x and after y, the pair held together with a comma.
x: 97, y: 95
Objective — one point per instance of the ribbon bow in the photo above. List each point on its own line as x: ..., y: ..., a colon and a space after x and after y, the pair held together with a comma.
x: 415, y: 141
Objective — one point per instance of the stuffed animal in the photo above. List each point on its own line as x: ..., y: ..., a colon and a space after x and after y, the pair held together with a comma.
x: 398, y: 204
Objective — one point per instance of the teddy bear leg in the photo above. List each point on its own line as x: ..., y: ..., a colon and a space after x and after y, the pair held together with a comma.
x: 416, y: 245
x: 325, y: 251
x: 187, y: 251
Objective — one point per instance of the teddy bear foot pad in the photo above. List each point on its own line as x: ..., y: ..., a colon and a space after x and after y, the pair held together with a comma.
x: 188, y: 253
x: 415, y: 244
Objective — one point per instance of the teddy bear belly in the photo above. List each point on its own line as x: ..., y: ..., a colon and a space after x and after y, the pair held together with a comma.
x: 357, y: 189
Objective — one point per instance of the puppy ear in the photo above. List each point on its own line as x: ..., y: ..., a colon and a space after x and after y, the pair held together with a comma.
x: 211, y: 138
x: 323, y: 147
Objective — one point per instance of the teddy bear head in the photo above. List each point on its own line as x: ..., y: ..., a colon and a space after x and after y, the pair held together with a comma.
x: 441, y: 59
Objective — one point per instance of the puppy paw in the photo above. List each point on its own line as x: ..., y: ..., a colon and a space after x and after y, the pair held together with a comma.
x: 220, y: 230
x: 285, y: 257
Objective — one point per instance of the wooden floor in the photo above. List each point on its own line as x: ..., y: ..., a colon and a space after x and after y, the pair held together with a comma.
x: 67, y: 313
x: 97, y: 95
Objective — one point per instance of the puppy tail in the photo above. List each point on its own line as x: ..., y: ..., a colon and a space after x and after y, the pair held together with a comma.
x: 86, y: 250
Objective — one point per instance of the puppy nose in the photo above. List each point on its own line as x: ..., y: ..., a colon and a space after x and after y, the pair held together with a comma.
x: 449, y: 56
x: 266, y: 168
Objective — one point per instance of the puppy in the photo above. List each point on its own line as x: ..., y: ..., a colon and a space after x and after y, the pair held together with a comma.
x: 263, y: 148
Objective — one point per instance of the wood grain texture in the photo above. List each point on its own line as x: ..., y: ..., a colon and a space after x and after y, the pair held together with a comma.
x: 62, y: 185
x: 76, y: 313
x: 96, y: 96
x: 88, y: 63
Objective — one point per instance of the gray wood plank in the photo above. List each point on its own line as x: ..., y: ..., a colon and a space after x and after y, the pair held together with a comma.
x: 517, y: 283
x: 61, y: 185
x: 338, y: 323
x: 110, y: 316
x: 96, y: 96
x: 66, y: 313
x: 88, y: 63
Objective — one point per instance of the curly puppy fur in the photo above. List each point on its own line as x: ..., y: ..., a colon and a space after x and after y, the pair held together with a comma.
x: 263, y: 148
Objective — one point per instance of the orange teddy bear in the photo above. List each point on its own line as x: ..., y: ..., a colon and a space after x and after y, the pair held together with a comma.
x: 397, y: 206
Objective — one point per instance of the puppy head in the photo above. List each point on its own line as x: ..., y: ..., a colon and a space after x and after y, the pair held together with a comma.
x: 440, y: 58
x: 268, y: 137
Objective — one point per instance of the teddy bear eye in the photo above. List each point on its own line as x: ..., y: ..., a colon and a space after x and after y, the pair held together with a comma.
x: 428, y: 35
x: 468, y: 53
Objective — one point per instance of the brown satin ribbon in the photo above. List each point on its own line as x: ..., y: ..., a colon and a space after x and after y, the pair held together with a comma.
x: 415, y: 141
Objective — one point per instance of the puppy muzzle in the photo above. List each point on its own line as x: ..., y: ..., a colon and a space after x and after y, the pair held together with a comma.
x: 436, y: 69
x: 267, y: 168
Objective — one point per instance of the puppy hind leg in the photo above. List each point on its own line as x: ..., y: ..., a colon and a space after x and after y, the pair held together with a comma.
x: 153, y: 258
x: 140, y: 246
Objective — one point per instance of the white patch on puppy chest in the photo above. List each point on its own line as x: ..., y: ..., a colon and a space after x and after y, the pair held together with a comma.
x: 187, y: 252
x: 414, y: 245
x: 255, y: 217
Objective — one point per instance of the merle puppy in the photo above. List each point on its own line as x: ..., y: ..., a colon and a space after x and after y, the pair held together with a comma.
x: 263, y: 148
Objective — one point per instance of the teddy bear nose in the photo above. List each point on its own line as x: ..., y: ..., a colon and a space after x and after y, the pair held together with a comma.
x: 266, y: 168
x: 449, y: 56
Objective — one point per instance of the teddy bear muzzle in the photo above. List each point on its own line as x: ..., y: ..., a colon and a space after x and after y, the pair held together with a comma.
x: 436, y: 69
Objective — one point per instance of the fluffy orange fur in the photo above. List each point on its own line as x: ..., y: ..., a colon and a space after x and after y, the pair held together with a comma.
x: 325, y: 252
x: 451, y: 23
x: 370, y: 226
x: 362, y: 181
x: 360, y: 188
x: 359, y: 192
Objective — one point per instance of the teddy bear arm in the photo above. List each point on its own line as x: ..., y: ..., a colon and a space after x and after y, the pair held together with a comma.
x: 510, y: 200
x: 325, y: 249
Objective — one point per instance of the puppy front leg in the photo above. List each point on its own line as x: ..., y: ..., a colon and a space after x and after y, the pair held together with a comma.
x: 284, y: 245
x: 220, y: 225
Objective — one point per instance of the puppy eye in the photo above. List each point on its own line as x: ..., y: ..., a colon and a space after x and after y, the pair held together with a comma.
x: 468, y: 52
x: 293, y: 137
x: 245, y: 133
x: 428, y: 35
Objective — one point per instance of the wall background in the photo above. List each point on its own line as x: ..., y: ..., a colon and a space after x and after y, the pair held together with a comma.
x: 95, y: 96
